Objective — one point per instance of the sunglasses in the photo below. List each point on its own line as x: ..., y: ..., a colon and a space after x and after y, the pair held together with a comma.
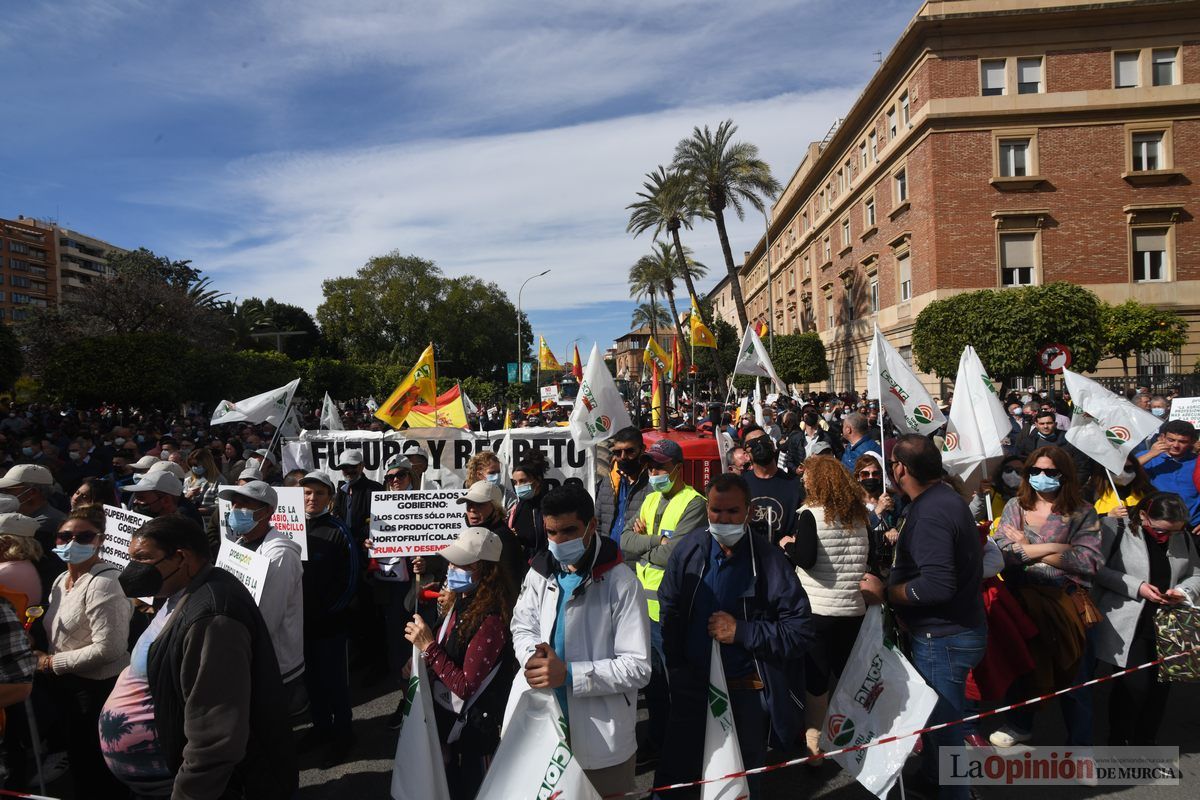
x: 624, y: 452
x: 1049, y: 473
x: 1010, y: 470
x: 870, y: 473
x: 83, y: 537
x: 395, y: 476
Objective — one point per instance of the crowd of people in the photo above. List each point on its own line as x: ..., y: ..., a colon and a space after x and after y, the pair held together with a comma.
x: 164, y: 678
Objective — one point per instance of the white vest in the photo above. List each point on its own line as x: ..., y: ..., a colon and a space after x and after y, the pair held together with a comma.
x: 832, y: 581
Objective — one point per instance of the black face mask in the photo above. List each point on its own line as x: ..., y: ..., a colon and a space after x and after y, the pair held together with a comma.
x: 873, y: 486
x: 631, y: 467
x: 762, y: 451
x: 140, y: 579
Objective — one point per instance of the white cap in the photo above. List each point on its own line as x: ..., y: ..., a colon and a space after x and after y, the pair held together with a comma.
x: 167, y: 466
x: 483, y: 492
x: 254, y: 490
x: 26, y: 475
x: 266, y: 454
x: 13, y: 524
x: 473, y: 544
x: 350, y: 458
x: 161, y: 481
x: 317, y: 476
x: 146, y: 462
x: 250, y: 473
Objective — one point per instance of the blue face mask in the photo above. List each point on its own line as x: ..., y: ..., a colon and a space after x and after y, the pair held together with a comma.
x: 660, y: 483
x: 75, y: 553
x: 568, y: 553
x: 197, y: 471
x: 27, y: 451
x: 1158, y: 412
x: 1044, y: 483
x: 493, y: 478
x: 241, y: 521
x: 459, y: 580
x: 523, y: 490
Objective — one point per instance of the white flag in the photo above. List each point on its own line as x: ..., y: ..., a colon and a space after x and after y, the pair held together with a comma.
x: 759, y: 419
x: 418, y: 772
x: 372, y: 404
x: 292, y: 426
x: 978, y: 421
x: 599, y: 409
x: 1105, y: 427
x: 722, y: 756
x: 879, y: 694
x: 266, y: 407
x: 904, y: 398
x: 753, y: 359
x: 331, y: 415
x: 534, y: 759
x: 468, y: 406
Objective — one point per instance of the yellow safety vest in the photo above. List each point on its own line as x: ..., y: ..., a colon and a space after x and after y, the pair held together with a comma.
x: 649, y: 575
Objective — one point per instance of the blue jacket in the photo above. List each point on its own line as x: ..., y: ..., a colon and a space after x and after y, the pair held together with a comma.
x: 1175, y: 475
x: 852, y: 452
x: 774, y: 624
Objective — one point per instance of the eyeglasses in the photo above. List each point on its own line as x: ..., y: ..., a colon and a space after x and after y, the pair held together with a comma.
x: 83, y: 537
x: 1049, y: 473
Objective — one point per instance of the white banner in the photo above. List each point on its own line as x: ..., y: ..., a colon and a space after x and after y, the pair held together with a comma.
x: 414, y: 523
x: 246, y: 565
x: 977, y: 423
x: 418, y: 772
x: 119, y: 527
x: 722, y: 755
x: 1186, y: 408
x: 448, y: 450
x: 600, y: 411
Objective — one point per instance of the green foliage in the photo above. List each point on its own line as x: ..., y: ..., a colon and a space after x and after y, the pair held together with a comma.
x: 1007, y: 327
x: 128, y: 368
x: 1132, y: 326
x: 800, y: 358
x: 727, y: 351
x: 11, y: 359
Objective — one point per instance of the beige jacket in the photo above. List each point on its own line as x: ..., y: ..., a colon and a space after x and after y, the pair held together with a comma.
x: 88, y: 626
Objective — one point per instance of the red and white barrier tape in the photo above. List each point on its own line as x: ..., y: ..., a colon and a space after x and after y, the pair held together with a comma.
x: 889, y: 739
x: 6, y: 793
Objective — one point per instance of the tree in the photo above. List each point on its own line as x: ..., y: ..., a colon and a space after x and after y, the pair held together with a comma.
x: 645, y: 280
x: 667, y: 267
x: 11, y: 359
x: 1132, y: 327
x: 726, y: 173
x: 650, y: 316
x: 726, y: 352
x: 1007, y: 327
x: 800, y: 358
x: 271, y: 316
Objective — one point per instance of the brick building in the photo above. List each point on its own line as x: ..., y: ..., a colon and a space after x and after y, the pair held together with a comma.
x: 630, y: 349
x: 1000, y: 143
x: 28, y: 269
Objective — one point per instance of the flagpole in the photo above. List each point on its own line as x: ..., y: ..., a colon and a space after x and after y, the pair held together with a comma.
x: 879, y: 402
x: 279, y: 428
x: 1113, y: 484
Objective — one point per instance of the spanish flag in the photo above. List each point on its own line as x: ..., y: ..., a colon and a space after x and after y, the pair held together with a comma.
x: 701, y: 335
x: 419, y: 384
x: 676, y: 360
x: 577, y: 366
x: 546, y: 359
x: 656, y: 357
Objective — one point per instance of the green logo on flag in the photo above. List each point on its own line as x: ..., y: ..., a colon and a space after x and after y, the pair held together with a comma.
x: 991, y: 387
x: 411, y: 695
x: 923, y: 414
x: 718, y: 704
x: 841, y: 730
x: 1118, y: 436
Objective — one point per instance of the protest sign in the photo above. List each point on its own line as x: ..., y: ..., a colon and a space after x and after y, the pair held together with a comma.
x: 448, y: 451
x: 247, y: 566
x: 414, y: 523
x: 119, y: 526
x: 1186, y: 408
x: 289, y: 517
x: 550, y: 392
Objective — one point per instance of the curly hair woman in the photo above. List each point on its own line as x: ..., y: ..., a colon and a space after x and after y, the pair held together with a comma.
x: 830, y: 551
x: 471, y: 658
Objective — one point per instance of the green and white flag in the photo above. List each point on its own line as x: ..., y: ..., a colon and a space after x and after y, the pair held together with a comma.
x: 331, y: 416
x: 722, y: 756
x: 266, y: 407
x: 1105, y: 427
x: 753, y: 360
x: 903, y: 396
x: 418, y: 772
x: 978, y: 422
x: 599, y: 410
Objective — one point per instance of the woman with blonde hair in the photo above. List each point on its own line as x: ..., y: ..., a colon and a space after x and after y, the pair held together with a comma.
x: 830, y: 551
x: 485, y: 466
x: 19, y: 553
x: 202, y: 481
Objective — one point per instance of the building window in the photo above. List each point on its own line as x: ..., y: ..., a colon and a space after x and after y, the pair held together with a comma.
x: 1154, y: 365
x: 1014, y: 158
x: 807, y: 266
x: 904, y: 111
x: 828, y: 250
x: 904, y: 276
x: 1018, y: 258
x: 1147, y: 151
x: 900, y: 186
x: 873, y: 143
x: 846, y: 232
x: 891, y: 119
x: 1162, y: 65
x: 19, y: 314
x: 991, y: 76
x: 804, y: 222
x: 841, y: 181
x: 829, y: 311
x: 19, y: 280
x: 1150, y: 254
x: 874, y: 294
x: 869, y: 212
x: 20, y: 298
x: 17, y: 247
x: 1029, y: 75
x: 18, y: 264
x: 862, y: 154
x: 1125, y: 70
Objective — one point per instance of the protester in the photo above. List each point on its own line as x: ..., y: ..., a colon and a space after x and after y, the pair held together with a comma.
x: 282, y: 603
x: 881, y: 512
x: 485, y: 466
x: 203, y: 712
x: 1046, y: 432
x: 87, y: 626
x: 20, y: 552
x: 353, y: 503
x: 1148, y: 563
x: 1172, y: 466
x: 934, y: 588
x: 1050, y: 538
x: 234, y: 462
x: 525, y: 519
x: 830, y: 552
x: 854, y: 432
x: 1132, y: 483
x: 330, y: 582
x: 471, y: 657
x: 32, y: 485
x: 620, y: 494
x: 202, y: 481
x: 775, y: 495
x: 728, y: 583
x: 17, y: 660
x: 94, y: 491
x: 580, y: 628
x: 817, y: 440
x: 484, y: 508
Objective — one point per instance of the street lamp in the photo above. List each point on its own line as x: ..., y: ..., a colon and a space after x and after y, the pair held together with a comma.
x: 520, y: 350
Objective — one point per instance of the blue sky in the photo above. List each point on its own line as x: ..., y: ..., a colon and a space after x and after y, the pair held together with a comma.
x: 280, y: 142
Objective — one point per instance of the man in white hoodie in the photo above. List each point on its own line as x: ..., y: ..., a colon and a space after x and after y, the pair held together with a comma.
x: 580, y: 628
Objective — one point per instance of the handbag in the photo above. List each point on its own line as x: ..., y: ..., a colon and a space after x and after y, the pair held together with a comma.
x: 1177, y: 630
x: 1085, y: 606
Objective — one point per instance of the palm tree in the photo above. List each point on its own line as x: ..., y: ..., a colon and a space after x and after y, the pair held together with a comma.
x: 645, y: 280
x: 726, y: 173
x: 667, y: 268
x: 646, y: 314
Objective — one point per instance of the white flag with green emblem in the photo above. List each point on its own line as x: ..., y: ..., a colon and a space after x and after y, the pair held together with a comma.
x: 331, y: 415
x: 978, y: 423
x: 418, y: 772
x: 599, y: 410
x: 1105, y: 427
x: 534, y: 759
x: 753, y: 360
x: 904, y: 398
x: 722, y: 756
x: 266, y: 407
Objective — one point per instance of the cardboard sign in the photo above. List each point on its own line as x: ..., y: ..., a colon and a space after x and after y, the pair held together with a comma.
x: 119, y: 527
x: 288, y: 518
x: 550, y: 392
x: 1186, y: 408
x: 247, y: 566
x: 414, y: 523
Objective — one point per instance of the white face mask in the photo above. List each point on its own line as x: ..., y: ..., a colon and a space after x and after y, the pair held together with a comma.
x: 1011, y: 479
x: 1125, y: 478
x: 727, y: 533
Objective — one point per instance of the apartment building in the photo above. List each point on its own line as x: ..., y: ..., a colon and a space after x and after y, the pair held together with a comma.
x: 28, y: 269
x: 1000, y: 143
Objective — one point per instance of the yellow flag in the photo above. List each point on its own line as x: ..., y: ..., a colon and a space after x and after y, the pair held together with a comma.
x: 546, y: 358
x: 701, y: 335
x: 420, y: 384
x: 508, y: 419
x: 655, y: 356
